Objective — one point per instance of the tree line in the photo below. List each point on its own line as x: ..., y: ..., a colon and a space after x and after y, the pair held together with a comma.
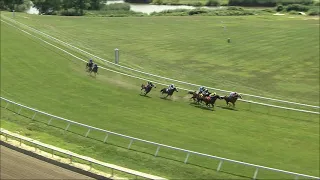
x: 75, y: 7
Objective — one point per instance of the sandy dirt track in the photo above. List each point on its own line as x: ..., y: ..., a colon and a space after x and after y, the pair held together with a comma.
x: 16, y: 165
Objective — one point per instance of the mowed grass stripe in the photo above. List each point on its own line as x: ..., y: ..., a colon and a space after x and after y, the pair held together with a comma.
x: 169, y: 119
x: 131, y: 39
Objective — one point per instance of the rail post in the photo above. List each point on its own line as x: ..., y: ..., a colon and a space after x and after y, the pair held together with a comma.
x: 34, y: 115
x: 6, y: 105
x: 19, y: 110
x: 105, y: 139
x: 88, y: 132
x: 49, y: 121
x: 67, y: 127
x: 116, y: 56
x: 130, y: 143
x: 157, y: 151
x: 255, y: 173
x: 219, y: 166
x: 186, y: 160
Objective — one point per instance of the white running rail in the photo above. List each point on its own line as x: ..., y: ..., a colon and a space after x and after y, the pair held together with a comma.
x: 174, y: 80
x: 136, y: 77
x: 71, y: 155
x: 158, y: 145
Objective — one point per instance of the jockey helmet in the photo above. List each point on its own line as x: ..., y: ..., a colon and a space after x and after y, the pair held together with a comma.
x: 90, y: 60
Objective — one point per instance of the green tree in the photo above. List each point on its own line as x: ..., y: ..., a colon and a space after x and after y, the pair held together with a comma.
x: 47, y: 6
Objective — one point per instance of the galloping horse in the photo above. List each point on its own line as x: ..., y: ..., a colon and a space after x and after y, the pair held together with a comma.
x: 169, y: 92
x: 210, y: 100
x: 231, y: 99
x: 147, y: 88
x: 89, y: 67
x: 95, y: 70
x: 198, y: 97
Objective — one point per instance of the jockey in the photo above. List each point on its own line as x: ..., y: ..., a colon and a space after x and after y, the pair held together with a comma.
x: 149, y: 84
x: 95, y: 68
x: 90, y: 63
x: 233, y: 94
x: 201, y: 89
x: 206, y: 92
x: 171, y: 86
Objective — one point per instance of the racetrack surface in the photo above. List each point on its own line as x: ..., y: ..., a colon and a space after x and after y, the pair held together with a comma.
x: 16, y: 165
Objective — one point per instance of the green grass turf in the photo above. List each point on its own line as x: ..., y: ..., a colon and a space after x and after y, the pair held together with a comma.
x: 40, y: 76
x: 269, y: 56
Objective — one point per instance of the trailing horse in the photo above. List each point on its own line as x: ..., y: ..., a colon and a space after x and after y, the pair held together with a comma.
x: 95, y: 70
x: 232, y: 99
x: 210, y: 100
x: 197, y: 97
x: 169, y: 92
x: 147, y: 88
x: 89, y: 67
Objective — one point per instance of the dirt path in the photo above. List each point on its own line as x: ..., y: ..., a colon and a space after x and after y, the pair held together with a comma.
x: 16, y: 165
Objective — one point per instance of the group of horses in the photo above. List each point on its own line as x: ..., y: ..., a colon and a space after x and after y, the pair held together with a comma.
x: 198, y: 98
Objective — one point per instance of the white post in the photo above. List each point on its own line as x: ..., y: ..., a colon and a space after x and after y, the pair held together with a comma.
x: 13, y: 14
x: 116, y: 56
x: 67, y: 127
x: 105, y: 139
x: 219, y: 166
x: 130, y: 143
x: 157, y: 151
x: 19, y: 110
x: 255, y: 174
x: 88, y: 132
x: 34, y: 115
x: 49, y: 121
x: 186, y: 160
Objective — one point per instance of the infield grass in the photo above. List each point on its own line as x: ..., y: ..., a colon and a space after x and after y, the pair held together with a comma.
x: 43, y: 77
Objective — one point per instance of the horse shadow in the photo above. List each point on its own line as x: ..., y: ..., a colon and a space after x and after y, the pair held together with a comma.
x: 194, y: 104
x: 227, y: 108
x: 166, y: 98
x: 146, y: 96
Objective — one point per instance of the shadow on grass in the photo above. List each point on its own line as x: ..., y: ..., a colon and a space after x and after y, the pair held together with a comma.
x: 227, y: 108
x: 146, y: 96
x: 200, y: 106
x: 121, y: 146
x: 166, y: 98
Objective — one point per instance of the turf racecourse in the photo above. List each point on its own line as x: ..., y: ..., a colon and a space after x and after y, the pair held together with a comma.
x: 269, y: 56
x: 45, y: 78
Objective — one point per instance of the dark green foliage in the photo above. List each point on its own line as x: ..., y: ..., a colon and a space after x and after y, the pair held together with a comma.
x: 267, y: 3
x: 297, y: 7
x: 70, y: 12
x: 213, y: 3
x: 117, y: 7
x: 47, y: 6
x: 138, y: 1
x: 13, y: 4
x: 279, y: 8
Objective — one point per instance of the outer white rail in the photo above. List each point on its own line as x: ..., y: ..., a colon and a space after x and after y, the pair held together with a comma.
x: 174, y: 80
x: 71, y: 155
x: 252, y: 102
x: 132, y: 139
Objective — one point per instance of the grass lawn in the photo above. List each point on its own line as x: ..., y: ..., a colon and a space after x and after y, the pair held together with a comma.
x: 269, y: 56
x: 42, y: 77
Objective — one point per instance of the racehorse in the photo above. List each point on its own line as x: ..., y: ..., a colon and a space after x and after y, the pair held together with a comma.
x: 197, y: 97
x: 89, y: 68
x: 169, y: 92
x: 232, y: 99
x: 95, y: 70
x: 147, y: 88
x: 210, y: 100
